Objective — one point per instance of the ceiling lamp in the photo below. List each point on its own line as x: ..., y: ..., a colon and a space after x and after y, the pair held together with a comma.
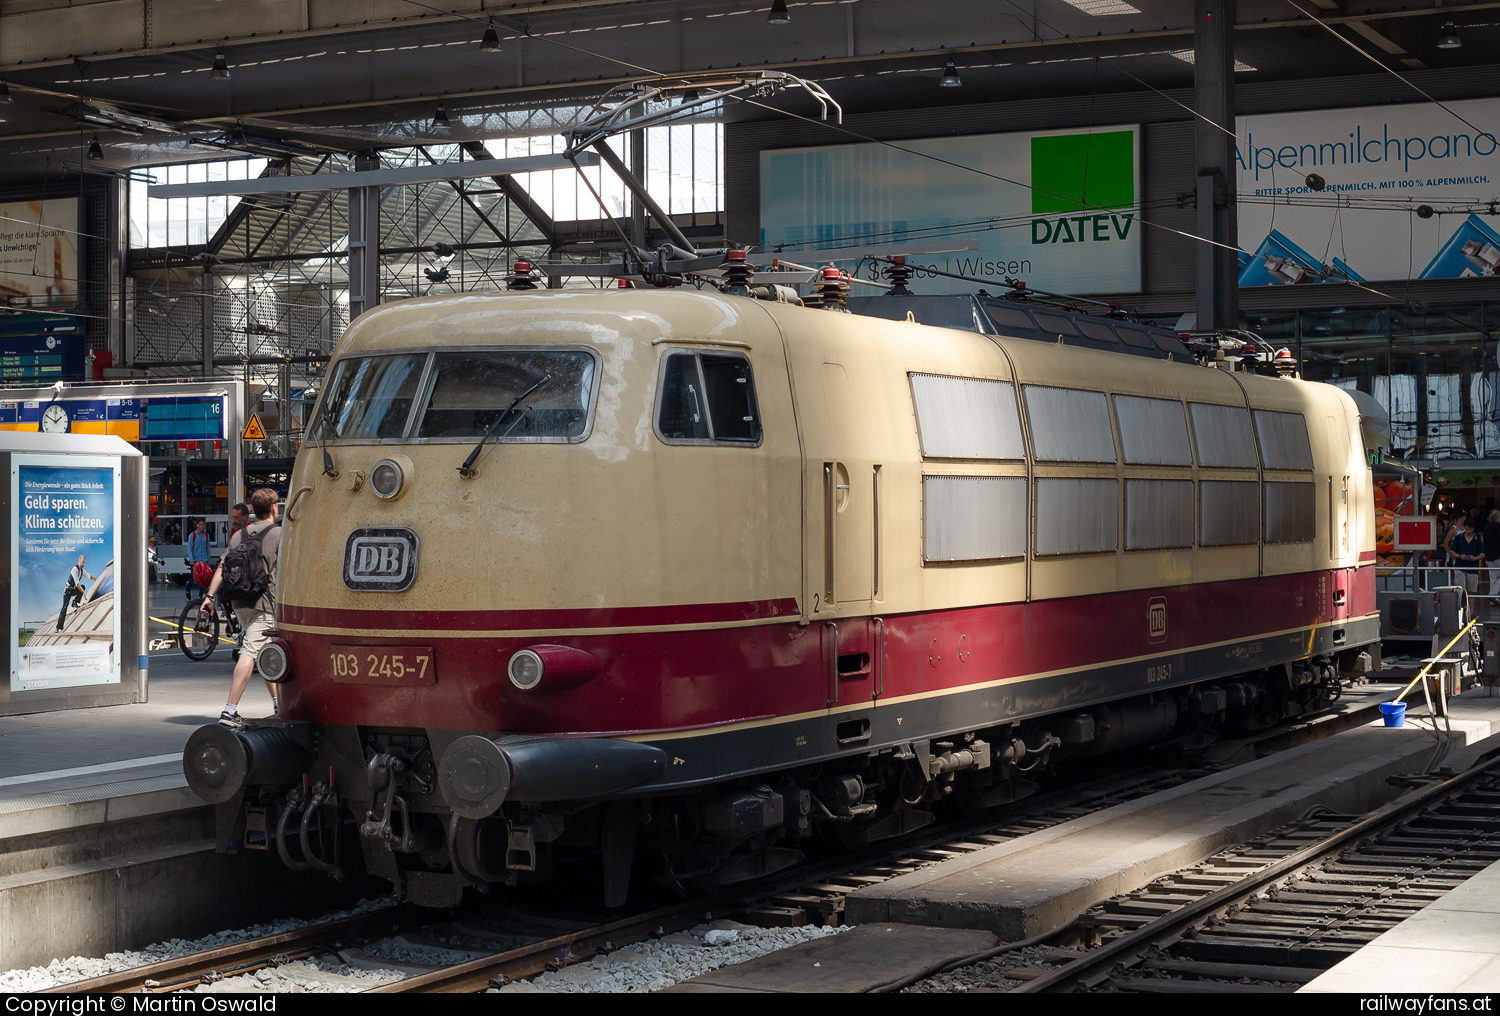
x: 5, y: 92
x: 1448, y: 37
x: 96, y: 151
x: 950, y: 78
x: 440, y: 118
x: 779, y: 14
x: 491, y: 41
x: 220, y: 70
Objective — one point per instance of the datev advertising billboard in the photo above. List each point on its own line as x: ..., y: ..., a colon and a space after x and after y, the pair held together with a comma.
x: 1384, y: 168
x: 1058, y: 210
x: 64, y: 545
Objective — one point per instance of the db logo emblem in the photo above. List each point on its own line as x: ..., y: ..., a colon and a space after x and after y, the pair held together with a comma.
x: 1156, y: 617
x: 380, y: 560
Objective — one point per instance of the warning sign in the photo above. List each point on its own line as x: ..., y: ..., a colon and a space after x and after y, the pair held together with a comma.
x: 253, y: 430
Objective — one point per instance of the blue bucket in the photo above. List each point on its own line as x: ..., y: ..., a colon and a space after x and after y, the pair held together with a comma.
x: 1394, y: 713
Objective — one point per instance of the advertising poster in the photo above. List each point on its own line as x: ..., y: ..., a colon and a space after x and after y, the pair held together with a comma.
x: 65, y: 540
x: 1058, y: 210
x: 1410, y: 192
x: 39, y: 252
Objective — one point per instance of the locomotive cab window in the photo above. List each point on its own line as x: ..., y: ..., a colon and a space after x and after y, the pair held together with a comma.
x: 469, y: 392
x: 370, y: 398
x: 707, y: 398
x: 542, y: 395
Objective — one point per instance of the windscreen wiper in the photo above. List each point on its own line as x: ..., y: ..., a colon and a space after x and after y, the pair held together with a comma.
x: 326, y: 421
x: 467, y: 470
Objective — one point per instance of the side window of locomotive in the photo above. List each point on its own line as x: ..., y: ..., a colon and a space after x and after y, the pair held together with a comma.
x: 1153, y: 432
x: 1289, y: 515
x: 1077, y: 515
x: 468, y: 392
x: 1229, y: 513
x: 1069, y: 425
x: 1224, y: 436
x: 966, y: 418
x: 973, y: 518
x: 1283, y: 440
x: 371, y: 397
x: 1158, y: 514
x: 707, y: 398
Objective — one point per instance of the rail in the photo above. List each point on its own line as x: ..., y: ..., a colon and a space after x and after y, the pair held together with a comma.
x: 1132, y: 943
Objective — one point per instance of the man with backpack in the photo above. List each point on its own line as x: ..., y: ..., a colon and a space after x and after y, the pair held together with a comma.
x: 247, y: 577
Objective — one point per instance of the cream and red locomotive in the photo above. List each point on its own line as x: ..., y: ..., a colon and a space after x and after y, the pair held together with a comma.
x: 691, y: 577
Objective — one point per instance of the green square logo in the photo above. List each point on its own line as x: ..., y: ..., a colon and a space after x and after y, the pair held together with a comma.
x: 1080, y: 172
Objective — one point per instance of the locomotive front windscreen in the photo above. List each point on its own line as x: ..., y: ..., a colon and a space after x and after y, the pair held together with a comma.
x: 459, y: 395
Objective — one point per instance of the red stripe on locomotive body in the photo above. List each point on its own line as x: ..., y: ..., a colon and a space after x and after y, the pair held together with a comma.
x: 655, y: 681
x: 534, y: 620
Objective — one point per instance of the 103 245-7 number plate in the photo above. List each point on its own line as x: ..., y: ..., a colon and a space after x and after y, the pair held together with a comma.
x: 399, y: 665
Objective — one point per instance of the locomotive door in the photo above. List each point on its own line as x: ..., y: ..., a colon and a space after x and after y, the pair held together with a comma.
x: 842, y: 505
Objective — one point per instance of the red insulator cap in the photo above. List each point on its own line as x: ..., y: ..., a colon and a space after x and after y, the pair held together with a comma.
x: 1020, y: 285
x: 625, y: 284
x: 898, y: 259
x: 734, y: 255
x: 523, y: 267
x: 831, y: 274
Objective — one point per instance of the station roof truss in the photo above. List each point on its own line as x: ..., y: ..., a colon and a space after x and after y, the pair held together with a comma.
x: 312, y: 89
x: 308, y: 79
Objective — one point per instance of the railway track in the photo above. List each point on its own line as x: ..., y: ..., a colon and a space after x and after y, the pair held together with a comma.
x: 491, y: 952
x: 1272, y: 914
x: 482, y: 955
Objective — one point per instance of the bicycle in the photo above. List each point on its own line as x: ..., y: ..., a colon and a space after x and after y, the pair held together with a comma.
x: 197, y: 635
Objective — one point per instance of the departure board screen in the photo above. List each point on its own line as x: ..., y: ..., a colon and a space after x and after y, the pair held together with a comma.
x: 184, y: 419
x: 28, y: 366
x: 48, y: 357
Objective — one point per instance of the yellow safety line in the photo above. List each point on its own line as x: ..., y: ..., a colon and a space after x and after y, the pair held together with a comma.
x: 1435, y: 659
x: 174, y: 624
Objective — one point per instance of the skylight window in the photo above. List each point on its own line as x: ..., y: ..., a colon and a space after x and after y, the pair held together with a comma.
x: 1103, y: 8
x: 684, y: 173
x: 1187, y: 57
x: 184, y: 222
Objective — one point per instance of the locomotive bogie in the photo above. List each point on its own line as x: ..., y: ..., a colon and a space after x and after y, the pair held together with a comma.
x: 708, y: 575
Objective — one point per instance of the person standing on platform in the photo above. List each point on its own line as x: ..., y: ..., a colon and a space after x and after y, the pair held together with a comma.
x: 257, y: 615
x: 1467, y: 553
x: 1492, y: 549
x: 198, y: 545
x: 239, y: 517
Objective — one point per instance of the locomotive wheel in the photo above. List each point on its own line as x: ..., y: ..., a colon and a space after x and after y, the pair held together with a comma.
x: 197, y: 635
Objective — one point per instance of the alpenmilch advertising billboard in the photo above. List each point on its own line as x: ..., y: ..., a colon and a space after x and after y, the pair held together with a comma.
x: 1409, y: 192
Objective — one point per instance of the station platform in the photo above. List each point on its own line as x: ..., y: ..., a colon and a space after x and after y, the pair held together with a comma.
x: 86, y: 761
x: 102, y: 845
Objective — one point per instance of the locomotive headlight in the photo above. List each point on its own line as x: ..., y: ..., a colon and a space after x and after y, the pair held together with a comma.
x: 388, y: 476
x: 274, y: 662
x: 525, y: 669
